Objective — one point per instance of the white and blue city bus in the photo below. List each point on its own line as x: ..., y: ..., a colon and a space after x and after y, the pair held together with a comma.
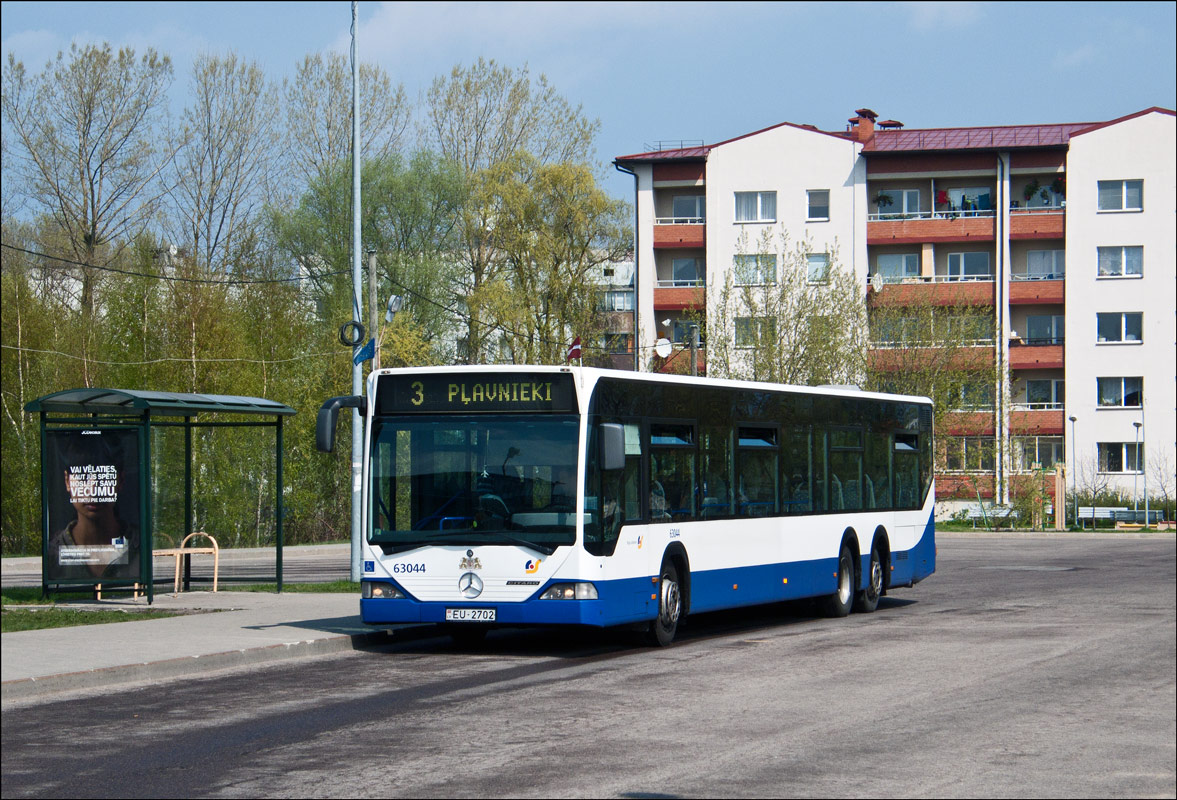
x: 566, y: 495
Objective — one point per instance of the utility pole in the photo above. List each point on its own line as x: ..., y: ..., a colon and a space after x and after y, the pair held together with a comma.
x: 357, y: 370
x: 372, y: 321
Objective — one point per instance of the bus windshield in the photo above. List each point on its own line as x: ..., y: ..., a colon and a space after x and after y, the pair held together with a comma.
x: 478, y: 479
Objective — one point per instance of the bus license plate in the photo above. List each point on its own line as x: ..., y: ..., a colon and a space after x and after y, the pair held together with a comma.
x: 469, y: 615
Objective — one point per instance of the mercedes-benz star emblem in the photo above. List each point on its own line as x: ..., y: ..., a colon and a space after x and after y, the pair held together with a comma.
x: 470, y: 585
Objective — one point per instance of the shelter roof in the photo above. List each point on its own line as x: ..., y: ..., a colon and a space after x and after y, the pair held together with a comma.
x: 129, y: 402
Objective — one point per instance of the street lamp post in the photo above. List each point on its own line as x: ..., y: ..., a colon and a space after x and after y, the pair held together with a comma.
x: 1074, y: 468
x: 1135, y: 472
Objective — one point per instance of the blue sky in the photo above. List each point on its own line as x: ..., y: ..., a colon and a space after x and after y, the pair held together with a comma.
x: 670, y: 71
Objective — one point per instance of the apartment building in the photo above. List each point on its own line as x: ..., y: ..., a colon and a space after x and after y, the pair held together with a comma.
x: 1063, y: 234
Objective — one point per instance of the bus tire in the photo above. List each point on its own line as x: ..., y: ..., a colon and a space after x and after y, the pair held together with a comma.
x: 841, y: 601
x: 665, y: 625
x: 867, y: 600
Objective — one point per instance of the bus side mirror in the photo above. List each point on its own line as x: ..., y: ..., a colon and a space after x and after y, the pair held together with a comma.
x: 329, y: 415
x: 612, y: 446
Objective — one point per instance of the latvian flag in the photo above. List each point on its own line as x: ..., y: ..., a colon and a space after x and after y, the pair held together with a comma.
x: 573, y: 350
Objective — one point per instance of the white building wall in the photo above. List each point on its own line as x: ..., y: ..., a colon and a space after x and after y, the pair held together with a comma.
x: 644, y: 335
x: 790, y: 161
x: 1141, y: 148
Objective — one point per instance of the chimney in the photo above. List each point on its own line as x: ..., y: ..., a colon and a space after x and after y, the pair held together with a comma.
x: 862, y: 126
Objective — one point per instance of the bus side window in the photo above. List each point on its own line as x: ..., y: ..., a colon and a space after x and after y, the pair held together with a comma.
x: 672, y: 472
x: 756, y: 492
x: 620, y: 499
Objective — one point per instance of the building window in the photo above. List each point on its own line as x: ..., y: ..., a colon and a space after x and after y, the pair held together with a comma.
x: 968, y: 454
x: 969, y: 267
x: 1045, y: 329
x: 1043, y: 265
x: 1121, y: 262
x: 819, y: 267
x: 688, y: 208
x: 686, y: 272
x: 616, y: 300
x: 1037, y: 452
x: 751, y: 331
x: 1121, y: 457
x: 819, y: 204
x: 755, y: 206
x: 977, y: 200
x: 898, y: 203
x: 1121, y: 195
x: 754, y: 270
x: 1045, y: 394
x: 1119, y: 392
x: 616, y: 343
x: 897, y: 266
x: 1117, y: 327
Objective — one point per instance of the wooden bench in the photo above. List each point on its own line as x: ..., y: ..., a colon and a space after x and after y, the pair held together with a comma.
x: 184, y: 550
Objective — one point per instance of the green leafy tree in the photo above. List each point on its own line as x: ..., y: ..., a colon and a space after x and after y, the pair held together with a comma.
x: 555, y: 228
x: 479, y: 117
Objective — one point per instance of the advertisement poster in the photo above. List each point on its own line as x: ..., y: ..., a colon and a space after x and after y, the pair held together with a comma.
x: 93, y: 493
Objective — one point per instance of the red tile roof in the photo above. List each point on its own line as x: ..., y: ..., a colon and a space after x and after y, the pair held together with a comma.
x: 1004, y: 136
x: 898, y: 141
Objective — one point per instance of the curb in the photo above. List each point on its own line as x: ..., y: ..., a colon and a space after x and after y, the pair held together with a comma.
x: 49, y: 686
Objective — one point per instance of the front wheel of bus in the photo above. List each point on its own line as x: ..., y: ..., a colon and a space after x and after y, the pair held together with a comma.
x: 665, y: 625
x: 867, y: 600
x: 839, y: 603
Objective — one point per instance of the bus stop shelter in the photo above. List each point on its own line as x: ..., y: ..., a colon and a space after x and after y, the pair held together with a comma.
x: 97, y: 505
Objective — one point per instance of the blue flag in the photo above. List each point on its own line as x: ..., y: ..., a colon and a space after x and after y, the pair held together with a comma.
x: 365, y: 352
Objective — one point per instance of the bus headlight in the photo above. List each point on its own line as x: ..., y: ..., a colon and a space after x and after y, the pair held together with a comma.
x: 381, y: 591
x: 570, y: 591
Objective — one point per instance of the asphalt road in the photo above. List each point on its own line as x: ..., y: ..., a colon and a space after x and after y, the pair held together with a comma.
x: 1026, y: 666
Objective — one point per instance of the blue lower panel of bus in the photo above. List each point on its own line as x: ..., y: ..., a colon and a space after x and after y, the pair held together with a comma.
x: 634, y: 600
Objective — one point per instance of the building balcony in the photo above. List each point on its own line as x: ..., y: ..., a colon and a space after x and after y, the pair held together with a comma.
x: 968, y: 423
x: 930, y: 226
x: 963, y: 486
x: 678, y: 295
x: 1037, y: 223
x: 679, y: 232
x: 1035, y: 356
x: 939, y: 290
x: 1036, y: 419
x: 886, y: 357
x: 1029, y: 290
x: 679, y: 361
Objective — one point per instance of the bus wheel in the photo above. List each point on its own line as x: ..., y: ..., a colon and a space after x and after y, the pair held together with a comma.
x: 665, y: 625
x: 867, y: 600
x: 839, y: 603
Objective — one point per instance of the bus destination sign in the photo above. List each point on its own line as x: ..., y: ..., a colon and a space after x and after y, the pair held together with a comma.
x: 474, y: 393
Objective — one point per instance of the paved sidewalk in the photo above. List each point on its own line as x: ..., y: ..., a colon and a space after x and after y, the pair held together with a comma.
x: 241, y: 628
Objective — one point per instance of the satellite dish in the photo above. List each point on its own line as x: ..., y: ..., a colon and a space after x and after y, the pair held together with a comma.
x: 662, y: 348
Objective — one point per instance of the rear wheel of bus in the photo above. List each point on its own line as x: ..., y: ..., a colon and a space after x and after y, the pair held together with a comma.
x: 840, y: 602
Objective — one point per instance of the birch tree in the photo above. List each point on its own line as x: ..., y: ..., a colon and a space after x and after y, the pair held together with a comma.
x: 479, y: 117
x: 86, y: 133
x: 226, y: 149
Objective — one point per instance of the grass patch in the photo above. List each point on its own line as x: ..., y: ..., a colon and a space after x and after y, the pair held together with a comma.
x: 31, y: 619
x: 31, y: 595
x: 331, y: 587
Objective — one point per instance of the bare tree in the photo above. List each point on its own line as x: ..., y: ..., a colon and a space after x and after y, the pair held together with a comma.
x: 318, y: 115
x: 787, y: 314
x: 88, y: 154
x: 226, y: 147
x: 479, y: 117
